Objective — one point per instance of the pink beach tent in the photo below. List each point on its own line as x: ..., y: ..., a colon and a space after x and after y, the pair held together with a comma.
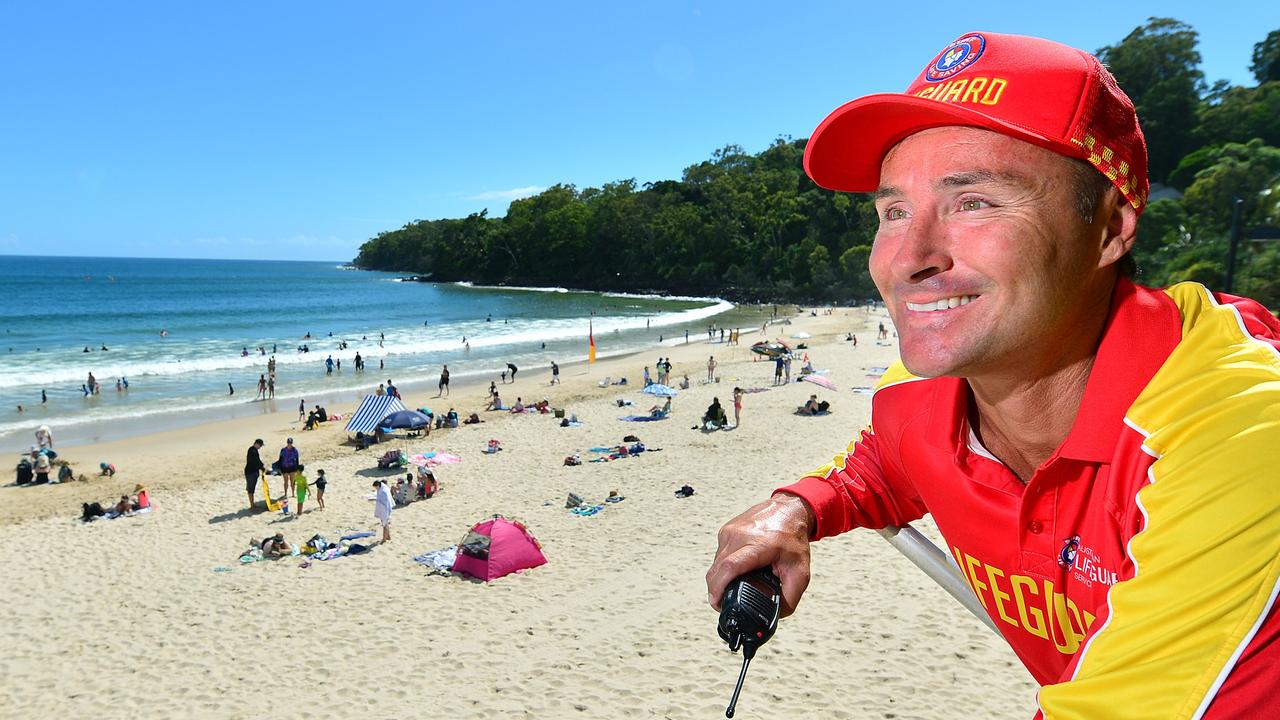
x: 497, y: 547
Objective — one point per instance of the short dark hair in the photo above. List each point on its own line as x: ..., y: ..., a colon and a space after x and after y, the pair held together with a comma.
x: 1088, y: 186
x: 259, y: 441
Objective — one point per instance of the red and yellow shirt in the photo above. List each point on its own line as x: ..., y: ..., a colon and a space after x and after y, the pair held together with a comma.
x: 1136, y: 572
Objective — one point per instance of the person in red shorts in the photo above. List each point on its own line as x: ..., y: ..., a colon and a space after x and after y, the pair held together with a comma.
x: 1099, y: 456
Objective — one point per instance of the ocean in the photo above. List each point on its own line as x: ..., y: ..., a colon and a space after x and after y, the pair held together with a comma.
x: 185, y: 333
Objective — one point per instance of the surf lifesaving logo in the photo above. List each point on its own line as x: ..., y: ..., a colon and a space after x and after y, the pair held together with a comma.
x: 956, y: 57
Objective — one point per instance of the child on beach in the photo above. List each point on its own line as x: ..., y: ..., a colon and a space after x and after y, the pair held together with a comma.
x: 319, y: 483
x: 300, y: 488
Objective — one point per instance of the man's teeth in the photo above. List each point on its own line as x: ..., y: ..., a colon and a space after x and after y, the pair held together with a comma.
x: 942, y: 304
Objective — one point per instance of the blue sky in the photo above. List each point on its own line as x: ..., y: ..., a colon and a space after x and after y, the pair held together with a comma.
x: 287, y: 130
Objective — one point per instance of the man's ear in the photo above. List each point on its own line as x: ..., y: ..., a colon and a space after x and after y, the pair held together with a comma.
x: 1120, y: 227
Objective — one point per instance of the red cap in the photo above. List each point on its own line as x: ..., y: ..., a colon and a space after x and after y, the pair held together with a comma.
x: 1036, y: 90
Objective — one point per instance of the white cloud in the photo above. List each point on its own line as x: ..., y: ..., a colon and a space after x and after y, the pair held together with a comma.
x: 508, y: 195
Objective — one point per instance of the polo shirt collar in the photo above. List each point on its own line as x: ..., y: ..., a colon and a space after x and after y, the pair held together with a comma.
x: 1143, y: 327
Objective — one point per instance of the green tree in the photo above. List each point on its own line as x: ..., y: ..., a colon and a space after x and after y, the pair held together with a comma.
x: 1266, y: 58
x: 1158, y: 66
x: 1239, y: 115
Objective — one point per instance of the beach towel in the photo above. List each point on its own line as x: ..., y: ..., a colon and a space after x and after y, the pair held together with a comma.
x: 642, y: 418
x: 356, y: 535
x: 440, y: 560
x: 864, y: 390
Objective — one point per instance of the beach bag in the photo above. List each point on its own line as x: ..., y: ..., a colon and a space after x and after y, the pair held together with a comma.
x: 318, y: 543
x: 65, y: 473
x: 25, y: 473
x: 631, y: 438
x: 559, y: 412
x: 573, y: 501
x: 572, y: 460
x: 90, y: 511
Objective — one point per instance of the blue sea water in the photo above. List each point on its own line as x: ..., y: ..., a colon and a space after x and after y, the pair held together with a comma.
x: 212, y: 311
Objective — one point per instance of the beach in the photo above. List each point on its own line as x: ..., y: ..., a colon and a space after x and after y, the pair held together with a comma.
x: 153, y: 615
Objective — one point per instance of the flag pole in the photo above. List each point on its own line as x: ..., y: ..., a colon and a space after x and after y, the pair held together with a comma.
x: 938, y: 566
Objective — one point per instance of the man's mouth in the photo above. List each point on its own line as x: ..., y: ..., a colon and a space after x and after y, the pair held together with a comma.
x: 942, y: 304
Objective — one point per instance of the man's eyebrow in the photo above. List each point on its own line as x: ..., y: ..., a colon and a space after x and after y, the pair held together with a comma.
x: 885, y: 191
x: 984, y: 177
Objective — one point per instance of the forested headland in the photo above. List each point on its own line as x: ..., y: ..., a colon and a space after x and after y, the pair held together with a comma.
x: 754, y: 227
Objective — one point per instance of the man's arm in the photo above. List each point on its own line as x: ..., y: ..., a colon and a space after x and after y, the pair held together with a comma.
x: 851, y: 491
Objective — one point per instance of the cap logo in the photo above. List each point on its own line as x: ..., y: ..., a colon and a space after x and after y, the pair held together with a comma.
x: 956, y: 57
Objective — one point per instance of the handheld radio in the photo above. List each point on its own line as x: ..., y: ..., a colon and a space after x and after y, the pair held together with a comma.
x: 749, y: 617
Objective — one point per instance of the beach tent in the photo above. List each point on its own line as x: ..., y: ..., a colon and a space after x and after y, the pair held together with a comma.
x: 371, y: 411
x: 660, y: 390
x: 497, y: 547
x: 405, y: 420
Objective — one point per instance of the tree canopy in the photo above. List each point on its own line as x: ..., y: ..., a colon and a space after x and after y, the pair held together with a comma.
x: 754, y: 226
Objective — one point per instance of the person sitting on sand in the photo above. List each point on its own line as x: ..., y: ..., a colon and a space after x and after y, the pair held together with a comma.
x: 684, y: 383
x: 427, y: 485
x: 519, y: 406
x: 810, y: 407
x: 123, y: 506
x: 142, y: 499
x: 106, y: 469
x: 715, y: 415
x: 403, y: 491
x: 660, y: 411
x: 451, y: 418
x: 495, y: 402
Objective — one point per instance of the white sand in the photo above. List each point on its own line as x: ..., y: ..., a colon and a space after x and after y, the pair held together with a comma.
x: 127, y: 618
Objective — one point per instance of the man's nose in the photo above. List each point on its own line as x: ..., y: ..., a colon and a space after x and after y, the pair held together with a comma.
x: 924, y: 251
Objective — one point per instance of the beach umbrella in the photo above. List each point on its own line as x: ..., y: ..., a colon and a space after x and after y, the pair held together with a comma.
x: 801, y: 335
x: 405, y: 420
x: 819, y: 380
x: 661, y: 390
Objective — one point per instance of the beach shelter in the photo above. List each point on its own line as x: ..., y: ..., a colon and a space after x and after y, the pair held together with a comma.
x: 371, y: 411
x: 497, y: 547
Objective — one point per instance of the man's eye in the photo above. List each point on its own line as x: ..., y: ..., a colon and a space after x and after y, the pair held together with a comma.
x: 970, y: 205
x: 894, y: 214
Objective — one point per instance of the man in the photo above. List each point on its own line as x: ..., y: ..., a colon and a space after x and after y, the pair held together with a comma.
x: 1099, y: 456
x: 512, y: 368
x: 253, y: 467
x: 382, y: 505
x: 444, y: 382
x: 555, y: 373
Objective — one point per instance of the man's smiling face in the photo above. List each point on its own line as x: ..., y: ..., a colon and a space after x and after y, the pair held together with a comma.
x: 983, y: 260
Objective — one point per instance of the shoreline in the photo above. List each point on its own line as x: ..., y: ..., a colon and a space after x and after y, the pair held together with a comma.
x: 95, y: 432
x: 214, y: 436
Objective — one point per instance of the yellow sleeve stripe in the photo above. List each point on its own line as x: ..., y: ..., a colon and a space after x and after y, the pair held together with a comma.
x: 1207, y: 558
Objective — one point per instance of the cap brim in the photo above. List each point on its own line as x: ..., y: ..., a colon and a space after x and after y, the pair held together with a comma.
x: 846, y: 150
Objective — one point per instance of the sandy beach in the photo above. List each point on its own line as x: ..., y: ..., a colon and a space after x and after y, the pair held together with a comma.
x: 136, y: 617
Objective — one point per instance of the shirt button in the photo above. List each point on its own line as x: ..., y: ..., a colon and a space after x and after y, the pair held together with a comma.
x: 1035, y: 527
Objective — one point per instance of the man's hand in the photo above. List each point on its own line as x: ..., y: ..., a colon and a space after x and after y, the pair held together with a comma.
x: 775, y: 532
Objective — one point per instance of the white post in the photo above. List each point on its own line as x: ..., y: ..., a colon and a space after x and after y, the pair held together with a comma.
x: 938, y: 566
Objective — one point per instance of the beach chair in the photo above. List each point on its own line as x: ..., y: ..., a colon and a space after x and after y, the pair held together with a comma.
x: 389, y: 458
x: 605, y: 382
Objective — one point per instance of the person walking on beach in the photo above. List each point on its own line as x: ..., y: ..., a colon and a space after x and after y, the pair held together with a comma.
x: 302, y: 408
x: 289, y: 462
x: 444, y: 382
x: 253, y: 467
x: 1100, y: 457
x: 513, y: 370
x: 555, y: 373
x: 711, y: 368
x: 382, y: 506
